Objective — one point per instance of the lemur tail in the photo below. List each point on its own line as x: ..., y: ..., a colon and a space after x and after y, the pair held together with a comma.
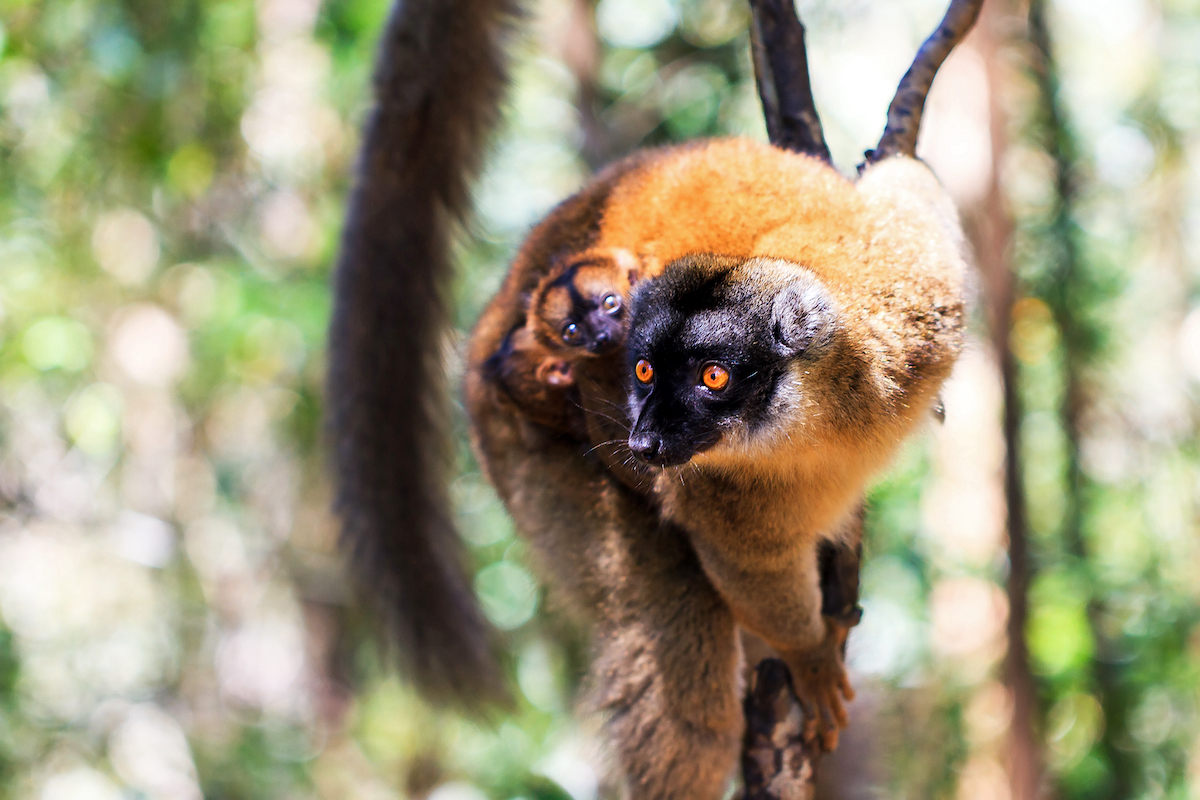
x: 439, y: 82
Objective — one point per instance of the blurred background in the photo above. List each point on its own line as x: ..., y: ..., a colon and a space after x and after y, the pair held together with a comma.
x: 175, y: 620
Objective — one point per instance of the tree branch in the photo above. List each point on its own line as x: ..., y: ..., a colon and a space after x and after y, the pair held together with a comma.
x: 1069, y: 291
x: 781, y: 69
x: 904, y: 114
x: 776, y: 764
x: 993, y: 235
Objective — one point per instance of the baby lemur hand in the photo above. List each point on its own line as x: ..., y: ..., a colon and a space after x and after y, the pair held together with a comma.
x: 539, y: 382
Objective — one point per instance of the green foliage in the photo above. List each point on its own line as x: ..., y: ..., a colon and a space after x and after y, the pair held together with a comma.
x: 172, y: 182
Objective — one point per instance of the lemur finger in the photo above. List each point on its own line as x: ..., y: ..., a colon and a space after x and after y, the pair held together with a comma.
x: 812, y: 717
x: 833, y: 708
x: 839, y: 711
x: 847, y: 690
x: 829, y: 728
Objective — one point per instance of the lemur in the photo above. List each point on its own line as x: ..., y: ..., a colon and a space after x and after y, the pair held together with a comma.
x: 579, y: 306
x: 790, y: 329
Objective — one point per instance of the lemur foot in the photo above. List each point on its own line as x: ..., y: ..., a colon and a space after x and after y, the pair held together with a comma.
x: 823, y: 687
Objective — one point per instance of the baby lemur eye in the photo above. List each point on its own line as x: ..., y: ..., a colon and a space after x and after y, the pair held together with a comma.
x: 570, y: 332
x: 610, y: 303
x: 715, y: 377
x: 643, y: 371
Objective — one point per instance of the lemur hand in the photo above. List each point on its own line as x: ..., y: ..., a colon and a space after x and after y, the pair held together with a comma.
x: 822, y: 686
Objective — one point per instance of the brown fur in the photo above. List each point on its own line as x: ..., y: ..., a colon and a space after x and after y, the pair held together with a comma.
x: 753, y: 512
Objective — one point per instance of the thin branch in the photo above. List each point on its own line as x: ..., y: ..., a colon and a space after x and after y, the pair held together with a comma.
x: 578, y: 46
x: 781, y: 69
x: 904, y: 114
x: 993, y: 235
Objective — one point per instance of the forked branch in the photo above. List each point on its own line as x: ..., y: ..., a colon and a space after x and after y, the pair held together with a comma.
x: 904, y: 114
x: 781, y: 69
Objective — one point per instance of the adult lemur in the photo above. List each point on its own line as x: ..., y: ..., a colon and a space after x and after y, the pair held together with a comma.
x: 789, y: 328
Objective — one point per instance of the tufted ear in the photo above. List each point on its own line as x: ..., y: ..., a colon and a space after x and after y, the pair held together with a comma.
x: 803, y: 318
x: 627, y: 264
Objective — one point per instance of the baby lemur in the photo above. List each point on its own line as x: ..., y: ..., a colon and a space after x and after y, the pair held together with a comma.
x: 789, y: 327
x: 577, y: 315
x: 577, y: 312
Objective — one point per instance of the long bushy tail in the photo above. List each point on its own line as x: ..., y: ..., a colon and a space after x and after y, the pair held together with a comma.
x: 439, y: 82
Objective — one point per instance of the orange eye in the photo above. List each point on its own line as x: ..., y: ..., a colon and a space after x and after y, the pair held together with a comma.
x: 570, y: 333
x: 643, y: 371
x: 715, y: 377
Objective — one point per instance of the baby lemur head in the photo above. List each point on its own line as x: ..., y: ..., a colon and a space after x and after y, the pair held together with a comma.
x: 580, y: 305
x: 718, y: 347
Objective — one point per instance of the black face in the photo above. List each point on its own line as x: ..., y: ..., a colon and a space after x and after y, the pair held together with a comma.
x: 709, y: 342
x: 595, y: 323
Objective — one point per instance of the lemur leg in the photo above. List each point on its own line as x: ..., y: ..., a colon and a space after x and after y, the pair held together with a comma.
x: 667, y: 661
x: 784, y: 605
x: 820, y: 675
x: 667, y: 672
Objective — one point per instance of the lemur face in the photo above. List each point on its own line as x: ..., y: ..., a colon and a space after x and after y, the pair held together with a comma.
x: 581, y: 304
x: 713, y: 343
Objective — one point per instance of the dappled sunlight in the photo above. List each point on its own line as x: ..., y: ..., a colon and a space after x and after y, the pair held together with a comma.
x: 175, y: 619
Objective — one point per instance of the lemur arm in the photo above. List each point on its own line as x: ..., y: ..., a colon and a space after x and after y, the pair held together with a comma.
x: 803, y: 604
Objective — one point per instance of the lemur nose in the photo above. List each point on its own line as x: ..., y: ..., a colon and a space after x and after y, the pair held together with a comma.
x: 645, y: 445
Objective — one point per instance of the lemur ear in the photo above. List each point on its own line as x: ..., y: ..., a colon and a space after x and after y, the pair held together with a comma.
x: 803, y: 318
x: 627, y: 263
x: 556, y: 372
